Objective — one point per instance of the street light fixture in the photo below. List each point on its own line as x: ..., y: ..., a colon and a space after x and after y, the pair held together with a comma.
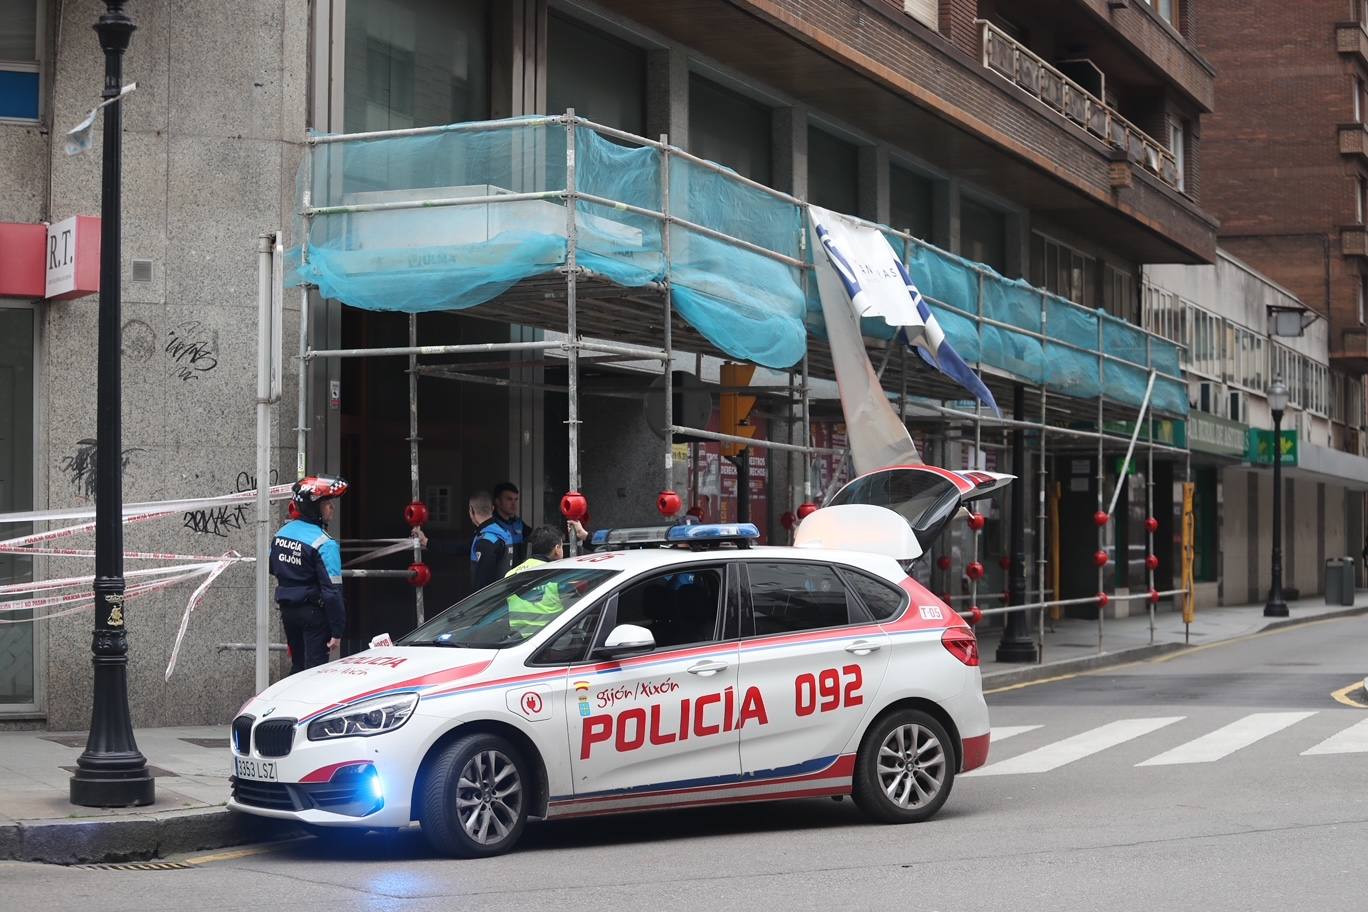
x: 111, y: 772
x: 1277, y: 403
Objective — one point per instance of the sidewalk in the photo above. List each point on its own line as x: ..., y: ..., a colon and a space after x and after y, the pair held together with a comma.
x: 191, y: 764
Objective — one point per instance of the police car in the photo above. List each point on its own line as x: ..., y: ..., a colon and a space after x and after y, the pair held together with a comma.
x: 671, y: 667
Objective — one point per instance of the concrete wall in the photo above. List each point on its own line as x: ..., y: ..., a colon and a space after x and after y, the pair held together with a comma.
x: 210, y: 149
x: 1235, y: 523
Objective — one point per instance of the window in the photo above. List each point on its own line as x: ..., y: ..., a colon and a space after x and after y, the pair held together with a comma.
x: 1064, y: 270
x: 1118, y: 293
x: 1359, y: 90
x: 678, y: 608
x: 1167, y: 10
x: 788, y: 597
x: 603, y: 78
x: 509, y: 611
x: 909, y: 202
x: 833, y: 172
x: 926, y: 500
x: 1178, y: 146
x: 20, y: 47
x: 415, y: 63
x: 983, y: 235
x: 1360, y: 199
x: 1362, y: 294
x: 730, y: 129
x: 17, y: 681
x: 882, y: 599
x: 572, y: 643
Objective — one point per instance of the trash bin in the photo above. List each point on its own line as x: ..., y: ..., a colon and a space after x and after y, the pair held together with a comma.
x: 1339, y: 581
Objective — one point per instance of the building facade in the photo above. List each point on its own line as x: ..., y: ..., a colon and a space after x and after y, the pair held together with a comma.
x: 1063, y: 144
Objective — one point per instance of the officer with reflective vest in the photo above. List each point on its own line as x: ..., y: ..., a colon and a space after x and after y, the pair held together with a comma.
x: 529, y: 614
x: 307, y: 565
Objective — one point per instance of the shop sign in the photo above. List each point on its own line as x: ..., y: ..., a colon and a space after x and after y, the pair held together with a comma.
x: 72, y: 258
x: 1166, y: 431
x: 1260, y: 450
x: 1210, y: 434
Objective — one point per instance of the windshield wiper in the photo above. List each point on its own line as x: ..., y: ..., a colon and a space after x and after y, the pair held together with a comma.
x: 455, y: 644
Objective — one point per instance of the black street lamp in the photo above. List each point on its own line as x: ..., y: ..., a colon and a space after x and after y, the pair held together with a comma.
x: 1277, y: 403
x: 111, y: 772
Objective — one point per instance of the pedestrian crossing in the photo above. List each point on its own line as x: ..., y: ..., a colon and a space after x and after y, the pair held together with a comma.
x: 1210, y: 747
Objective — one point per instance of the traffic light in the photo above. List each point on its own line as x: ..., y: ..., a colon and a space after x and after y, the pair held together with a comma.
x: 736, y: 408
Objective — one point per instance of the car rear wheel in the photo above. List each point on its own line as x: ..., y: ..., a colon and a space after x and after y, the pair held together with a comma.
x: 905, y: 768
x: 476, y: 797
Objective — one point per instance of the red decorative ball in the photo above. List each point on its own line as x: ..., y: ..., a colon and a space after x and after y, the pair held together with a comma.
x: 806, y: 510
x: 668, y: 503
x: 1103, y: 599
x: 788, y: 520
x: 977, y: 521
x: 574, y: 506
x: 945, y: 597
x: 1152, y: 562
x: 974, y: 571
x: 419, y: 575
x: 1154, y: 596
x: 416, y: 514
x: 1100, y: 518
x: 1005, y: 562
x: 943, y: 562
x: 975, y: 615
x: 1151, y: 525
x: 1100, y: 558
x: 292, y: 510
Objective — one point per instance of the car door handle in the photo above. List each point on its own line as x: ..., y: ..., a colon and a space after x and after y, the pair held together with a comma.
x: 706, y: 668
x: 862, y: 647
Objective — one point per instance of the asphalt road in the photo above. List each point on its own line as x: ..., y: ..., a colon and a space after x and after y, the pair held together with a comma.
x: 1225, y: 778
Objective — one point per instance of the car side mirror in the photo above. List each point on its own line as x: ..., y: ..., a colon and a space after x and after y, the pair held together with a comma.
x: 627, y: 639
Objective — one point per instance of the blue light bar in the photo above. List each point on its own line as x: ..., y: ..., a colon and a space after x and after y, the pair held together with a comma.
x: 697, y: 533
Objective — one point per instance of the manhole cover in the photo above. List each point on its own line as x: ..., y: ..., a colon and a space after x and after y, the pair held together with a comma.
x: 138, y: 866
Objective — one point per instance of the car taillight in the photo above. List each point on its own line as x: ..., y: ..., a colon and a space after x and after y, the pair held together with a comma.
x: 962, y: 645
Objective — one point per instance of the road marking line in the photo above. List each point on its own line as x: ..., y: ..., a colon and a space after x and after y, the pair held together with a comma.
x: 1342, y: 695
x: 998, y: 690
x: 1053, y: 756
x: 238, y: 853
x: 1353, y: 740
x: 1227, y: 739
x: 1003, y: 732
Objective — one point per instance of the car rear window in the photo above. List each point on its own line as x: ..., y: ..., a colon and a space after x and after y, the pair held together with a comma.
x: 883, y: 599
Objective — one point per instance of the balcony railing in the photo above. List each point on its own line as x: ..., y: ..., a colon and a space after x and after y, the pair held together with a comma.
x: 1018, y: 65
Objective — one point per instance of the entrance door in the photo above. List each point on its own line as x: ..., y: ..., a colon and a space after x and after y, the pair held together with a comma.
x: 17, y: 679
x: 665, y: 719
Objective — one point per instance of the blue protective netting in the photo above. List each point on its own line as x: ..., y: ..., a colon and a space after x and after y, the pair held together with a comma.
x: 751, y: 306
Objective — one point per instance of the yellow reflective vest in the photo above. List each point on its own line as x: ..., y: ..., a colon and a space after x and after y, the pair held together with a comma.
x: 525, y: 615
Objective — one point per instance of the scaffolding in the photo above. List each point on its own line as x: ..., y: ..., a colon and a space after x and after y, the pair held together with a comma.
x: 606, y: 321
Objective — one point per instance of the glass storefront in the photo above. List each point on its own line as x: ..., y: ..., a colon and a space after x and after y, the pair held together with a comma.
x: 601, y: 77
x: 16, y: 494
x: 730, y: 129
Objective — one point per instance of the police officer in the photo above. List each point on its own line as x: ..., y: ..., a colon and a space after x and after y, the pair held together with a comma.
x: 307, y: 565
x: 533, y: 610
x: 506, y: 499
x: 491, y: 550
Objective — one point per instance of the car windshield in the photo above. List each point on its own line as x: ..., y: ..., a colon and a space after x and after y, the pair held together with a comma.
x: 509, y: 611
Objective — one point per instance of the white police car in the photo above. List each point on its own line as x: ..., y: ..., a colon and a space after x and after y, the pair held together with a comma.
x: 685, y: 669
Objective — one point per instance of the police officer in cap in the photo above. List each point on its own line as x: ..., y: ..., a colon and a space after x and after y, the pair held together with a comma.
x: 307, y: 565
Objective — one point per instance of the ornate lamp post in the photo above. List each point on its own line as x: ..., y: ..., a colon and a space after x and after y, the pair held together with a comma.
x: 111, y: 772
x: 1277, y: 403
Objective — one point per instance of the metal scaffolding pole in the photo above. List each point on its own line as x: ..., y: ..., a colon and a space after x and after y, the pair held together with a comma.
x: 415, y: 490
x: 572, y: 329
x: 665, y: 231
x: 1101, y: 483
x: 1041, y: 482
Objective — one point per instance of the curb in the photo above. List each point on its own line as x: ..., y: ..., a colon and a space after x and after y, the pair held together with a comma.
x: 1033, y: 673
x: 134, y: 837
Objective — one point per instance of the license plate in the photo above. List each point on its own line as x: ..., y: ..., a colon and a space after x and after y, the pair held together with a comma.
x: 264, y: 770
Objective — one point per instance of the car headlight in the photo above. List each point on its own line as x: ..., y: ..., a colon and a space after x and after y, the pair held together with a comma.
x: 373, y: 717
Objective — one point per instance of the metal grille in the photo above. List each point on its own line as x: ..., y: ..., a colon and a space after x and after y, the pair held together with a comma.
x: 275, y: 737
x: 272, y: 795
x: 242, y: 734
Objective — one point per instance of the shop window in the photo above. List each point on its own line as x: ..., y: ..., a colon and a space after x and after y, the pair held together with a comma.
x: 909, y: 202
x: 415, y: 63
x: 833, y: 172
x: 983, y: 234
x: 730, y: 129
x: 602, y: 77
x: 20, y: 56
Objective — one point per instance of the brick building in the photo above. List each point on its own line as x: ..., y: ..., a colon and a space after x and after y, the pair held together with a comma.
x: 1286, y: 159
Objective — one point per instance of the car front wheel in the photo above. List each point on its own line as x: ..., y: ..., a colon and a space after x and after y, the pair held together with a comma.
x: 476, y: 798
x: 905, y: 768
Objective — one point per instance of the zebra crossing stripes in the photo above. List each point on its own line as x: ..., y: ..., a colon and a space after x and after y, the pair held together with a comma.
x: 1053, y: 756
x: 1352, y: 740
x: 1003, y: 732
x: 1227, y: 739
